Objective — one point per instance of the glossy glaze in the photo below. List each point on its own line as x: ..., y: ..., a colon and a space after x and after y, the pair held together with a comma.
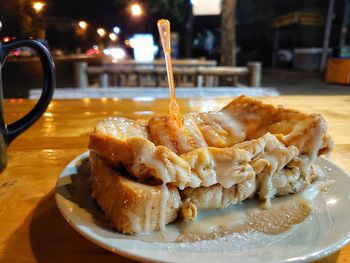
x: 31, y: 228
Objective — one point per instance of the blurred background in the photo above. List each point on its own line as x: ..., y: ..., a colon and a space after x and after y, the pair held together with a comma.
x: 277, y: 46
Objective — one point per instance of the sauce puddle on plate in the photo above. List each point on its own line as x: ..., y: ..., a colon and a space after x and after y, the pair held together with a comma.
x: 285, y: 213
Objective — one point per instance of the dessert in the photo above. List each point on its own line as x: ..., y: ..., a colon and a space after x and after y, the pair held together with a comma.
x: 146, y: 175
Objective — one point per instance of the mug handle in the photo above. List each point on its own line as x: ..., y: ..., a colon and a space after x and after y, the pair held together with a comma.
x: 48, y: 66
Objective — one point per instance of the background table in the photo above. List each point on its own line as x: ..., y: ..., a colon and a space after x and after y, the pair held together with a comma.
x: 31, y: 227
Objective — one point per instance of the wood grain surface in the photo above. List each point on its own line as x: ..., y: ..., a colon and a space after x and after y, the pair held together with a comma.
x: 31, y: 227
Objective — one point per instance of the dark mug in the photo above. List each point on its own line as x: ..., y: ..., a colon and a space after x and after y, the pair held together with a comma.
x: 11, y: 131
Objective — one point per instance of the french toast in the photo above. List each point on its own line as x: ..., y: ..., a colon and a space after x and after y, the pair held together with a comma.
x: 213, y: 160
x: 131, y: 207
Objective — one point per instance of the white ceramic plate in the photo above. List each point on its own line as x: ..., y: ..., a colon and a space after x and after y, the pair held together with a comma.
x: 324, y: 232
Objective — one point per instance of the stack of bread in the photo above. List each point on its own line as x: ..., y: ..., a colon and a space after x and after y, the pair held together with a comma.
x: 146, y: 175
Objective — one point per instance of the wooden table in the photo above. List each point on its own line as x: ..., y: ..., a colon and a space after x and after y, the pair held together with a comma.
x: 31, y: 227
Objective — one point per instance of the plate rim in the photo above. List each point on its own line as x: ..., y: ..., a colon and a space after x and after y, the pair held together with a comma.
x: 125, y: 253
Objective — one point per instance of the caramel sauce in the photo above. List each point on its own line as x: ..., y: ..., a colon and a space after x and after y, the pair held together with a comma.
x: 164, y: 33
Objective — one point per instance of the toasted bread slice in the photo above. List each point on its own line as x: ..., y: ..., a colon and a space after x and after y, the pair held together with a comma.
x: 130, y: 206
x: 134, y: 207
x: 168, y: 153
x: 205, y: 166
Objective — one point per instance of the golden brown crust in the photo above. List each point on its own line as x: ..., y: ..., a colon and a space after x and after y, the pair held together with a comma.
x: 299, y: 128
x: 107, y: 146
